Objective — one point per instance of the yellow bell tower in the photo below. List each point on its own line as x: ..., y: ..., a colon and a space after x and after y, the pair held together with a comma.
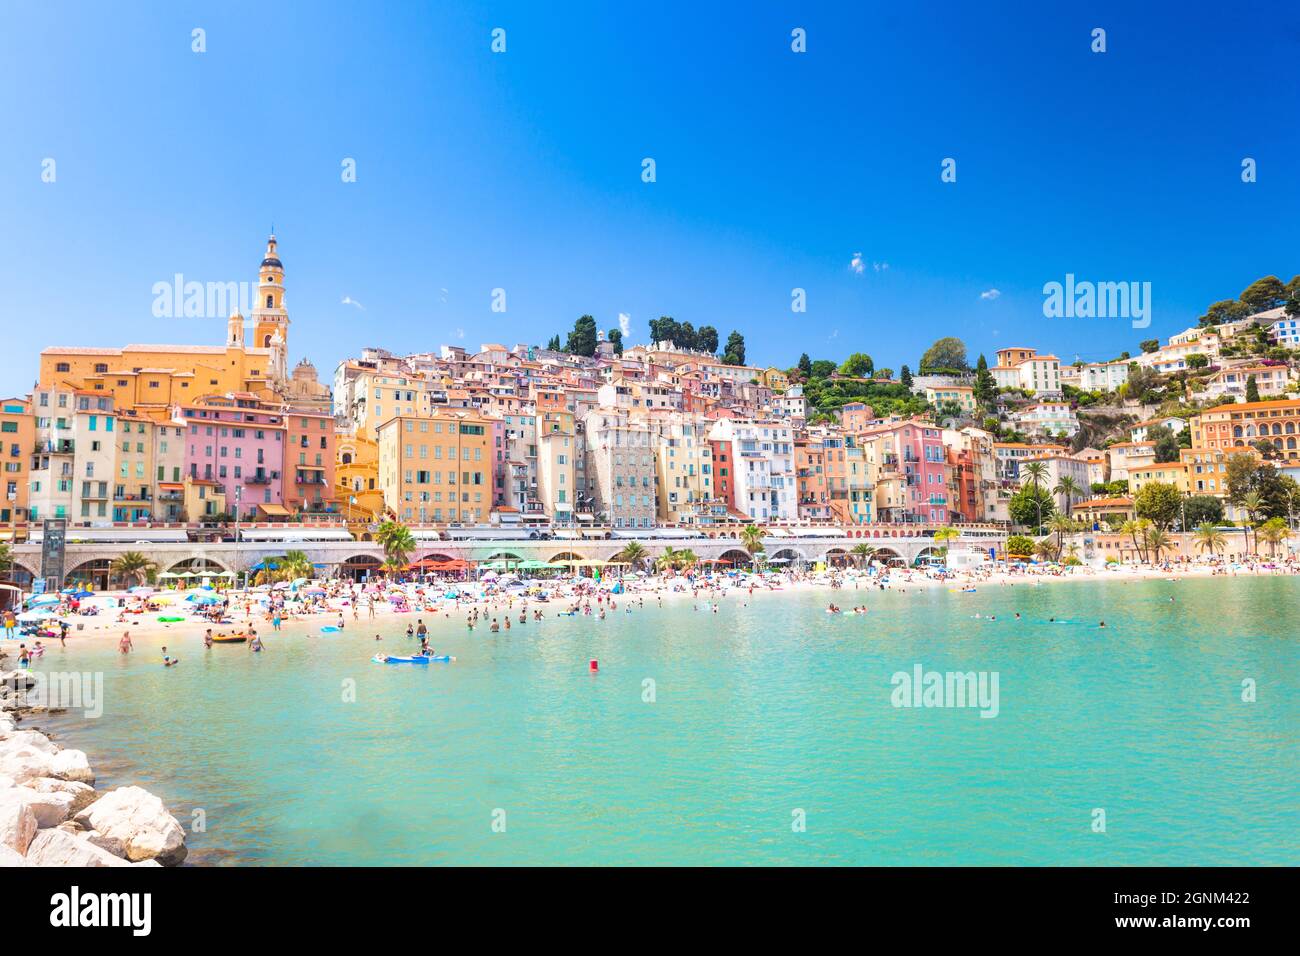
x: 270, y: 320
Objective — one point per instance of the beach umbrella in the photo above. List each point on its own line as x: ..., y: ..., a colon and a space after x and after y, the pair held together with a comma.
x: 203, y: 599
x: 38, y: 599
x: 142, y: 590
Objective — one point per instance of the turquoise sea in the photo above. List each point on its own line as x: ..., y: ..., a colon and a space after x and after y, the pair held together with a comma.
x: 760, y: 713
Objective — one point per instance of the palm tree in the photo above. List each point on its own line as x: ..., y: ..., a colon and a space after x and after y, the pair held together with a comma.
x: 863, y: 552
x: 633, y: 553
x: 6, y: 557
x: 688, y: 558
x: 1253, y: 502
x: 398, y: 543
x: 1135, y: 529
x: 1274, y: 531
x: 671, y: 558
x: 1157, y: 541
x: 1036, y: 471
x: 1060, y: 525
x: 1046, y: 550
x: 1070, y: 488
x: 132, y: 564
x: 1209, y: 538
x: 296, y: 564
x: 751, y: 536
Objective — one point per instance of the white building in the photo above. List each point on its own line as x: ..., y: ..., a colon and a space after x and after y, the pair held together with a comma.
x: 762, y: 467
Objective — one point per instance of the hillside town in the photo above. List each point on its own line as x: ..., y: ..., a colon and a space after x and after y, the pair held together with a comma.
x: 1150, y: 453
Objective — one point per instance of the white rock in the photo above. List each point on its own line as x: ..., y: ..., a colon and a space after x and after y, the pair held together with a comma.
x: 25, y: 763
x: 140, y: 821
x: 83, y: 793
x: 17, y: 822
x: 7, y: 782
x: 71, y: 765
x: 50, y: 809
x: 55, y: 847
x: 9, y: 858
x: 28, y: 738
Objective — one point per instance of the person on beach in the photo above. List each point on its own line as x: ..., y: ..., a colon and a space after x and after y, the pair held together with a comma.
x: 10, y: 624
x: 255, y: 645
x: 24, y: 658
x: 124, y: 646
x: 207, y: 638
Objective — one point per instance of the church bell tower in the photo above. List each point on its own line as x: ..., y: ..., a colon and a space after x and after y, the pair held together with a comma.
x: 270, y: 320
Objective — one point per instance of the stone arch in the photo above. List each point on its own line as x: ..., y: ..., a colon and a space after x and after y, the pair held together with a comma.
x: 737, y: 557
x: 886, y: 555
x: 929, y: 551
x: 837, y: 557
x: 564, y: 556
x: 200, y: 563
x: 783, y: 556
x: 438, y: 556
x: 359, y: 566
x: 503, y: 556
x: 94, y: 572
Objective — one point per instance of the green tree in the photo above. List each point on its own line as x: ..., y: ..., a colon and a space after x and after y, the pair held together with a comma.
x: 1029, y: 506
x: 1263, y: 294
x: 1273, y: 531
x: 615, y: 336
x: 1070, y: 488
x: 634, y: 553
x: 751, y: 538
x: 132, y: 565
x: 986, y: 389
x: 1225, y: 310
x: 1209, y: 538
x: 1149, y: 345
x: 1252, y: 389
x: 1019, y: 544
x: 582, y: 340
x: 948, y: 352
x: 905, y: 377
x: 735, y: 351
x: 1159, y: 502
x: 823, y: 368
x: 1203, y: 509
x: 858, y: 365
x: 805, y: 365
x: 1197, y: 360
x: 553, y: 344
x: 1166, y: 443
x: 706, y: 339
x: 862, y: 553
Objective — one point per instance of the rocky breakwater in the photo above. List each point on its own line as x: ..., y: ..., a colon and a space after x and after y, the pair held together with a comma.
x: 50, y: 812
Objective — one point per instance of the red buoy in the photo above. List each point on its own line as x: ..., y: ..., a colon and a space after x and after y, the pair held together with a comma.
x: 594, y: 666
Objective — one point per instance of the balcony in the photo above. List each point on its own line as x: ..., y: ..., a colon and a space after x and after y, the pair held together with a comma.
x: 60, y: 447
x: 124, y: 496
x: 261, y: 478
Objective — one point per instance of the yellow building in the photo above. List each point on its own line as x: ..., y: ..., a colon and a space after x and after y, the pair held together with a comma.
x: 1170, y: 473
x: 962, y: 396
x: 775, y: 379
x: 437, y: 469
x: 153, y: 378
x: 17, y: 443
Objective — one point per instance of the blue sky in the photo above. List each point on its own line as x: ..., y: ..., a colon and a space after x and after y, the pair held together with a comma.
x: 522, y: 170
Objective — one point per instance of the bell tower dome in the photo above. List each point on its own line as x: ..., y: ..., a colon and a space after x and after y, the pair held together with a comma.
x: 270, y: 319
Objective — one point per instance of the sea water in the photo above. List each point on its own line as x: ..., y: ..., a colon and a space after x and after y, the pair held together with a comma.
x: 769, y: 732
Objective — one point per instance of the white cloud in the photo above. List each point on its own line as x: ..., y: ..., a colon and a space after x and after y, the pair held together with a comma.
x: 858, y: 265
x: 460, y: 333
x: 990, y: 294
x: 348, y: 300
x: 625, y: 324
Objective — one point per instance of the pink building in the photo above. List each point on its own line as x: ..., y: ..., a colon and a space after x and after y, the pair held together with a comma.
x: 911, y: 456
x: 239, y: 445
